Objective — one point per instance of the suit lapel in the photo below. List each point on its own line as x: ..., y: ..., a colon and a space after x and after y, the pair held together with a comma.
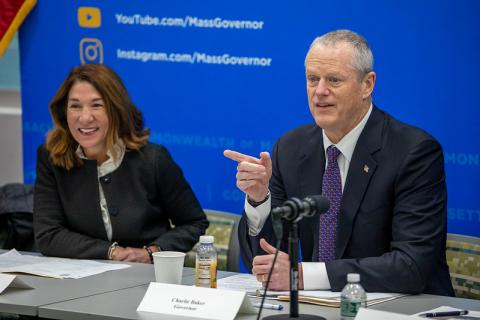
x: 311, y: 165
x: 310, y: 170
x: 362, y: 168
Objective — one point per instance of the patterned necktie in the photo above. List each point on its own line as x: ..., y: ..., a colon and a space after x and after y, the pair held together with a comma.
x: 332, y: 189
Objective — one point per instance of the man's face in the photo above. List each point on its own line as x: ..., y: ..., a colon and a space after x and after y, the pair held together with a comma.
x: 337, y: 98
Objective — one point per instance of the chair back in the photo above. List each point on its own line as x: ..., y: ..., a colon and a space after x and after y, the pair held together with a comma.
x: 223, y: 226
x: 463, y: 258
x: 16, y: 217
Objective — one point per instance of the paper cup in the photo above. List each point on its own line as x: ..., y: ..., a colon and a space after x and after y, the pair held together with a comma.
x: 168, y: 266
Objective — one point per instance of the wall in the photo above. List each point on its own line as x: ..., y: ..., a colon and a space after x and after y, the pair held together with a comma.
x: 210, y: 75
x: 11, y: 160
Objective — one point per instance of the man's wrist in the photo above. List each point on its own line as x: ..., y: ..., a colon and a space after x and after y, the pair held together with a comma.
x: 257, y: 203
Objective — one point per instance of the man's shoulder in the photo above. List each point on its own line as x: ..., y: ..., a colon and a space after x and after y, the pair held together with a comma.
x: 302, y: 133
x: 399, y: 131
x: 297, y: 142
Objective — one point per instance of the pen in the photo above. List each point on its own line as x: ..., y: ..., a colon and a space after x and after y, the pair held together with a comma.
x: 268, y: 306
x: 445, y: 314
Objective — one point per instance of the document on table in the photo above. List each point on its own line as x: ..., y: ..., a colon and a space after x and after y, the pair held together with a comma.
x: 61, y: 268
x: 371, y: 314
x: 240, y: 282
x: 249, y: 283
x: 9, y: 280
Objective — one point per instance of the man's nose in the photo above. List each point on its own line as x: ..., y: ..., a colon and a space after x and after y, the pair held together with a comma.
x: 322, y: 89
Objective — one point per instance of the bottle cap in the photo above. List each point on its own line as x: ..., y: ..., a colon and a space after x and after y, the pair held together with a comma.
x: 353, y: 277
x: 206, y: 239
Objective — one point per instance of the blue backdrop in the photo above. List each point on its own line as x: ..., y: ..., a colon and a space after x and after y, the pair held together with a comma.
x: 210, y: 75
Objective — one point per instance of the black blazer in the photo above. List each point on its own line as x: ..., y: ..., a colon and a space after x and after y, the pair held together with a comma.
x: 143, y: 195
x: 392, y: 223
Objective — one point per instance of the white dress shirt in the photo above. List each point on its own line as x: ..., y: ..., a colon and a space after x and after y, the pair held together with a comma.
x: 110, y: 165
x: 314, y: 273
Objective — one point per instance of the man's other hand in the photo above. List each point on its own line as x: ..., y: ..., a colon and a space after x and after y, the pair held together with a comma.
x: 280, y: 279
x: 253, y: 174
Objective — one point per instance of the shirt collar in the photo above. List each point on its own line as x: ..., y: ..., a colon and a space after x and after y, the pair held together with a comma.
x: 120, y: 151
x: 349, y: 141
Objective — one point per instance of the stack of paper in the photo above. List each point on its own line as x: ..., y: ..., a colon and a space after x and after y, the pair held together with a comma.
x: 249, y: 283
x: 371, y: 314
x: 332, y: 299
x: 12, y: 261
x: 8, y: 280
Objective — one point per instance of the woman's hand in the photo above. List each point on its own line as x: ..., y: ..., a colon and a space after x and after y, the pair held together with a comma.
x: 131, y: 254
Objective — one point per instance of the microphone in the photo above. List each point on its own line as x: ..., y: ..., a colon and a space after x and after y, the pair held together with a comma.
x: 292, y: 211
x: 295, y: 209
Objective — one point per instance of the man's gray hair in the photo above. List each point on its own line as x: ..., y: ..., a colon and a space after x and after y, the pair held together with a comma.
x: 363, y: 57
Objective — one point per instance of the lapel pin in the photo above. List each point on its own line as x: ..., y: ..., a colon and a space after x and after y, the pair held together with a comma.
x: 366, y: 168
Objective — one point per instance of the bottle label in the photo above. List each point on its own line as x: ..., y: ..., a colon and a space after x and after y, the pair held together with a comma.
x: 206, y: 273
x: 349, y: 308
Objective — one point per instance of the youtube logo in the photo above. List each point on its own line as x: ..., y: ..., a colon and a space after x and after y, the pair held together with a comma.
x: 89, y: 17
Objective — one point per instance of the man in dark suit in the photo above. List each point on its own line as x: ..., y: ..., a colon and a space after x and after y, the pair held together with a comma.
x: 385, y: 181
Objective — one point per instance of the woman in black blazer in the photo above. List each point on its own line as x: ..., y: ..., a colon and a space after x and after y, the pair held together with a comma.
x: 102, y: 191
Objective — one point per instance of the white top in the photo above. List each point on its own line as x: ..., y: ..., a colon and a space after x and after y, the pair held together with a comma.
x: 206, y: 239
x: 314, y: 273
x: 102, y: 170
x: 353, y: 277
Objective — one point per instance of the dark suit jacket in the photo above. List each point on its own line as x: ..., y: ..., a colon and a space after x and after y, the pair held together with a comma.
x: 143, y: 194
x: 392, y: 223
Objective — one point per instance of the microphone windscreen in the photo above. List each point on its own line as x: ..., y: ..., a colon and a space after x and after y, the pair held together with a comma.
x: 322, y: 204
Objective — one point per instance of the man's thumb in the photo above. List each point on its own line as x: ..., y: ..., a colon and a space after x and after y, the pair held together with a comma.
x: 267, y: 247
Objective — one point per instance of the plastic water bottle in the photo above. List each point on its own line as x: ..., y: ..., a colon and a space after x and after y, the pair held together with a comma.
x: 352, y: 298
x: 206, y: 263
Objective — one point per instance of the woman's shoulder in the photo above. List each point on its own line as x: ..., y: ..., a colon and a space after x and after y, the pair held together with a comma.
x: 153, y: 148
x: 44, y: 160
x: 43, y: 153
x: 42, y: 149
x: 153, y: 151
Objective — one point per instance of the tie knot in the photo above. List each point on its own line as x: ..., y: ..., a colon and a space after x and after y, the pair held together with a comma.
x: 332, y: 153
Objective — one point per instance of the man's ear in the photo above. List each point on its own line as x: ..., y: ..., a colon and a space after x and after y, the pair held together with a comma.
x: 368, y: 83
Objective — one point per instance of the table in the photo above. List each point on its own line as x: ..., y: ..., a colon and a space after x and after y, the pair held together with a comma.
x: 122, y: 304
x: 48, y: 290
x: 117, y: 294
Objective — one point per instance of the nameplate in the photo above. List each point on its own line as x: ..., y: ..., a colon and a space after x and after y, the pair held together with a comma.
x: 194, y: 302
x: 9, y: 280
x: 370, y: 314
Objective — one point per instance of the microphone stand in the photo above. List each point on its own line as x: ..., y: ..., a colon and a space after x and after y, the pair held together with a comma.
x: 293, y: 255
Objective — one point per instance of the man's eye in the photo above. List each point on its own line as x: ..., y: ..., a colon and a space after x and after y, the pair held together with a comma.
x: 312, y: 79
x: 334, y: 80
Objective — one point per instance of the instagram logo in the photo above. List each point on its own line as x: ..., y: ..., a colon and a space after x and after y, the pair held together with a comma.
x: 91, y: 50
